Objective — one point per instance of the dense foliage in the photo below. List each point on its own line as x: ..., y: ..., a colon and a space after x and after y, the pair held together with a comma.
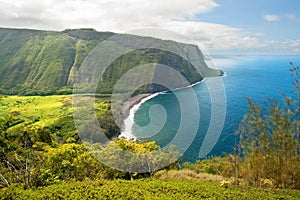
x: 34, y: 131
x: 39, y: 144
x: 33, y: 159
x: 145, y: 189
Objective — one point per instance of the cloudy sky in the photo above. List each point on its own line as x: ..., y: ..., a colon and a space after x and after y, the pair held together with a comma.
x: 260, y: 26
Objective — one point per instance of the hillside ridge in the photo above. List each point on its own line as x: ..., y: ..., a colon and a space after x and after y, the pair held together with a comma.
x: 36, y: 62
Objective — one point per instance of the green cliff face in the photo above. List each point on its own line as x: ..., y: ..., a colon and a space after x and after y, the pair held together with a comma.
x: 36, y: 62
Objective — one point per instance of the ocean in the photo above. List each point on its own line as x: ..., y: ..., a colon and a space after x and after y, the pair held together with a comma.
x: 255, y: 77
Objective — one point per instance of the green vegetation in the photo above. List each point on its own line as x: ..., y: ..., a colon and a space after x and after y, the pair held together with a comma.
x: 34, y: 165
x: 33, y: 159
x: 145, y: 189
x: 270, y: 141
x: 45, y: 62
x: 268, y: 153
x: 52, y: 114
x: 42, y: 157
x: 39, y: 144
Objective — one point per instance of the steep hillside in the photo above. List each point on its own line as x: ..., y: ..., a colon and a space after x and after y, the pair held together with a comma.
x: 45, y: 62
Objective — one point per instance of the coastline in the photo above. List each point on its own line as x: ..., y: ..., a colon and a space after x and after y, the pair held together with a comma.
x: 128, y: 111
x: 132, y: 102
x: 135, y: 102
x: 133, y: 105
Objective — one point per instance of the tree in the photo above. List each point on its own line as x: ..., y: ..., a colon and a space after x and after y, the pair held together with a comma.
x: 269, y: 140
x: 20, y: 162
x: 69, y: 161
x: 134, y: 158
x: 108, y: 125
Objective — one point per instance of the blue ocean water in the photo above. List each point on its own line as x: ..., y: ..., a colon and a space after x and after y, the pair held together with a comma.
x: 255, y: 77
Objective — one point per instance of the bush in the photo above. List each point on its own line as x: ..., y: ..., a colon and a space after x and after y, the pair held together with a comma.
x: 270, y: 141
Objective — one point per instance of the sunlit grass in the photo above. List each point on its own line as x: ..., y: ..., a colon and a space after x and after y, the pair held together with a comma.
x: 42, y: 111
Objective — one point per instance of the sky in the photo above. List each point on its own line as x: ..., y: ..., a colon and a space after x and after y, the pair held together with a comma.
x: 218, y: 26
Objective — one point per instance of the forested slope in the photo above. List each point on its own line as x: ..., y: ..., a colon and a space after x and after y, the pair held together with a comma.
x: 45, y: 62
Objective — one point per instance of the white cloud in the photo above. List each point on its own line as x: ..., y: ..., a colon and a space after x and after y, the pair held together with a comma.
x: 221, y: 38
x: 271, y: 18
x: 274, y: 18
x: 126, y: 15
x: 58, y: 14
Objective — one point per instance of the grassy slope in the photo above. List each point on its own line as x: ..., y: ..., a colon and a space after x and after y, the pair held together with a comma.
x: 146, y: 189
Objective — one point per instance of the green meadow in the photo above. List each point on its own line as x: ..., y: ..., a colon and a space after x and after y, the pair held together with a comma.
x: 53, y: 113
x: 37, y: 110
